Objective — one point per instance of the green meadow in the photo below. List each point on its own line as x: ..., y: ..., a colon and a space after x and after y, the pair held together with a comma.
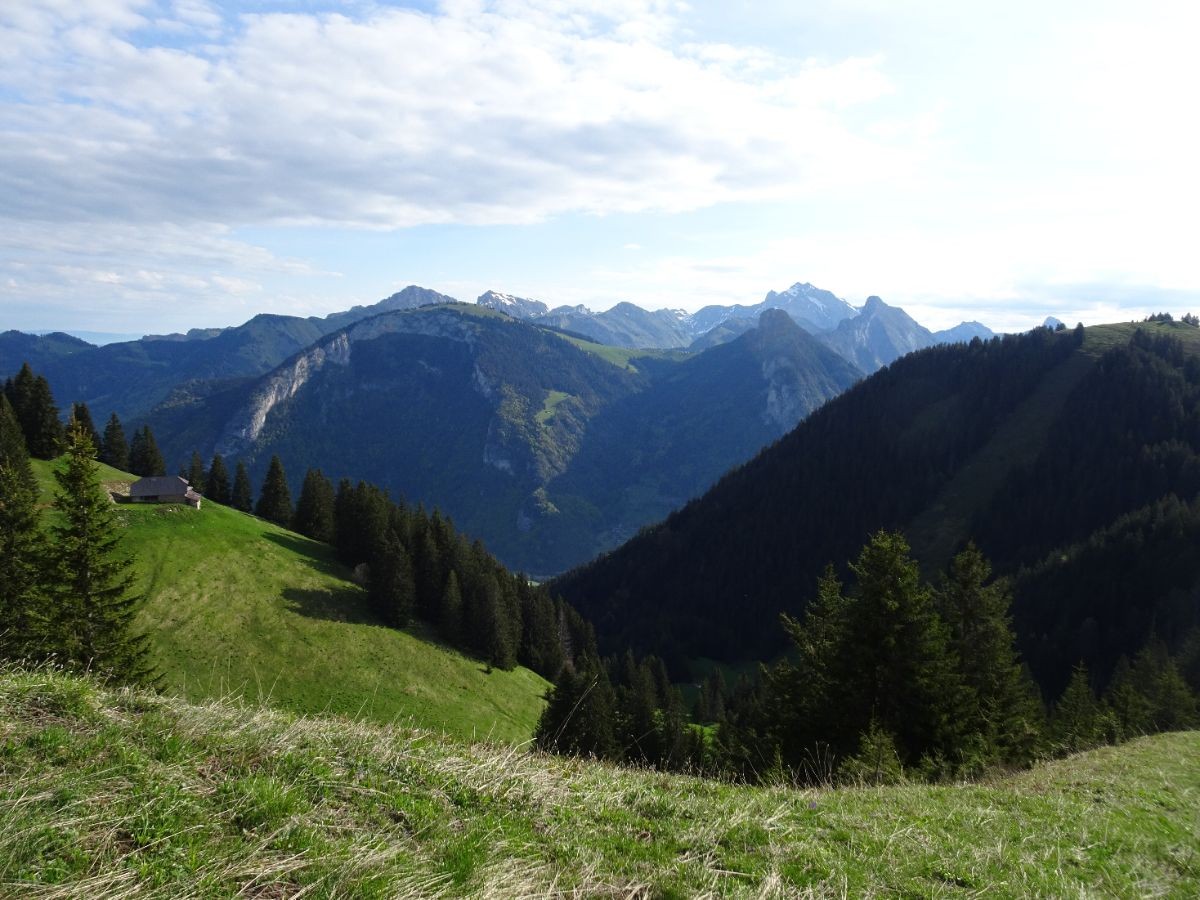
x: 238, y: 607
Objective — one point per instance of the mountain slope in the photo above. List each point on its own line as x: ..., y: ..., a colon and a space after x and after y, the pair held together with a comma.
x: 132, y: 794
x: 652, y: 451
x: 236, y: 606
x: 1027, y: 444
x: 548, y: 448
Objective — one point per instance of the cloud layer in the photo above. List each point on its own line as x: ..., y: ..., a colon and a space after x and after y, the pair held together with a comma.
x: 480, y: 113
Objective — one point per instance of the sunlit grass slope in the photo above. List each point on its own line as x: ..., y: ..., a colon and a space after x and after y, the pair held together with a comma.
x: 235, y: 605
x: 106, y: 794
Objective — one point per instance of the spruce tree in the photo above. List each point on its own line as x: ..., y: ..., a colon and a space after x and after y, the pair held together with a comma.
x: 144, y: 456
x: 275, y: 500
x: 1166, y: 702
x: 314, y: 510
x: 578, y: 718
x: 882, y: 652
x: 22, y: 547
x: 93, y: 623
x: 114, y: 449
x: 81, y: 414
x: 1077, y: 723
x: 391, y: 587
x: 243, y: 494
x: 450, y: 620
x: 1003, y: 706
x: 904, y: 672
x: 34, y: 406
x: 195, y: 473
x: 494, y: 640
x: 216, y: 481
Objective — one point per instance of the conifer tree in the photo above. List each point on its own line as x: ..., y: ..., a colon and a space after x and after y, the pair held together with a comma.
x: 275, y: 500
x: 904, y: 672
x: 144, y: 456
x: 22, y: 548
x: 450, y: 618
x: 93, y: 623
x: 1189, y: 660
x: 1151, y: 695
x: 1076, y: 723
x: 882, y: 652
x: 578, y: 719
x: 81, y: 414
x: 314, y: 510
x: 195, y: 473
x: 636, y: 724
x: 216, y: 481
x: 1003, y: 706
x: 391, y: 587
x: 493, y: 630
x: 114, y: 449
x: 243, y: 494
x: 33, y: 404
x: 1131, y: 709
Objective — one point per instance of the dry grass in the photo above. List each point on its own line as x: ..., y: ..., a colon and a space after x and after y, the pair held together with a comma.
x: 119, y: 794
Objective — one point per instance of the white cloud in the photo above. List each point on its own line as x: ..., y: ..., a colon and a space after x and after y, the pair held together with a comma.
x: 483, y: 113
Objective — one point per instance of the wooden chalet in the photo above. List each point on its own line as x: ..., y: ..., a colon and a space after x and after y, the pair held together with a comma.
x: 164, y: 489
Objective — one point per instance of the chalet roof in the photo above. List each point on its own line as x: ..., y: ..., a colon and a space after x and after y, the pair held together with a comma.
x: 159, y: 486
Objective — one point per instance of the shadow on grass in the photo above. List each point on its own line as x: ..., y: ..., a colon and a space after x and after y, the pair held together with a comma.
x: 342, y: 605
x: 319, y: 556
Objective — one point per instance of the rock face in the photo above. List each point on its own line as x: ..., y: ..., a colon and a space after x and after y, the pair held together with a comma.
x: 280, y: 385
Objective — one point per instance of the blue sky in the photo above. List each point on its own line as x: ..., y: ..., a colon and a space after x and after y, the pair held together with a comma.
x: 166, y: 164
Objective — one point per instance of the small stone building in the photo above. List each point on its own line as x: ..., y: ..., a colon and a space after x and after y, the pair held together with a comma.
x: 164, y: 489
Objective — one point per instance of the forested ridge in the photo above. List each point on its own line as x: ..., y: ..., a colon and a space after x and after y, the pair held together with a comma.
x: 711, y: 579
x: 1094, y: 523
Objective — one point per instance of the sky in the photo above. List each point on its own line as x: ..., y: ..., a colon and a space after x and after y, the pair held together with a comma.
x: 168, y: 164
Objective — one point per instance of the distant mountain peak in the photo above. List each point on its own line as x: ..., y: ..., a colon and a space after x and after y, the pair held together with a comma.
x: 517, y: 307
x: 873, y: 303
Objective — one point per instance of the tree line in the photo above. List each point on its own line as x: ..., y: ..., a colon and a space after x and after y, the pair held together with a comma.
x: 889, y: 676
x: 414, y: 564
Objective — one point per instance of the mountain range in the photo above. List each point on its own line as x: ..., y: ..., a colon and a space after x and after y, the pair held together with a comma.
x: 550, y: 447
x: 552, y: 434
x: 870, y: 337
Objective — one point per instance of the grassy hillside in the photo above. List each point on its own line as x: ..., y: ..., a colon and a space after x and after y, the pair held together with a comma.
x: 235, y: 605
x: 109, y: 794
